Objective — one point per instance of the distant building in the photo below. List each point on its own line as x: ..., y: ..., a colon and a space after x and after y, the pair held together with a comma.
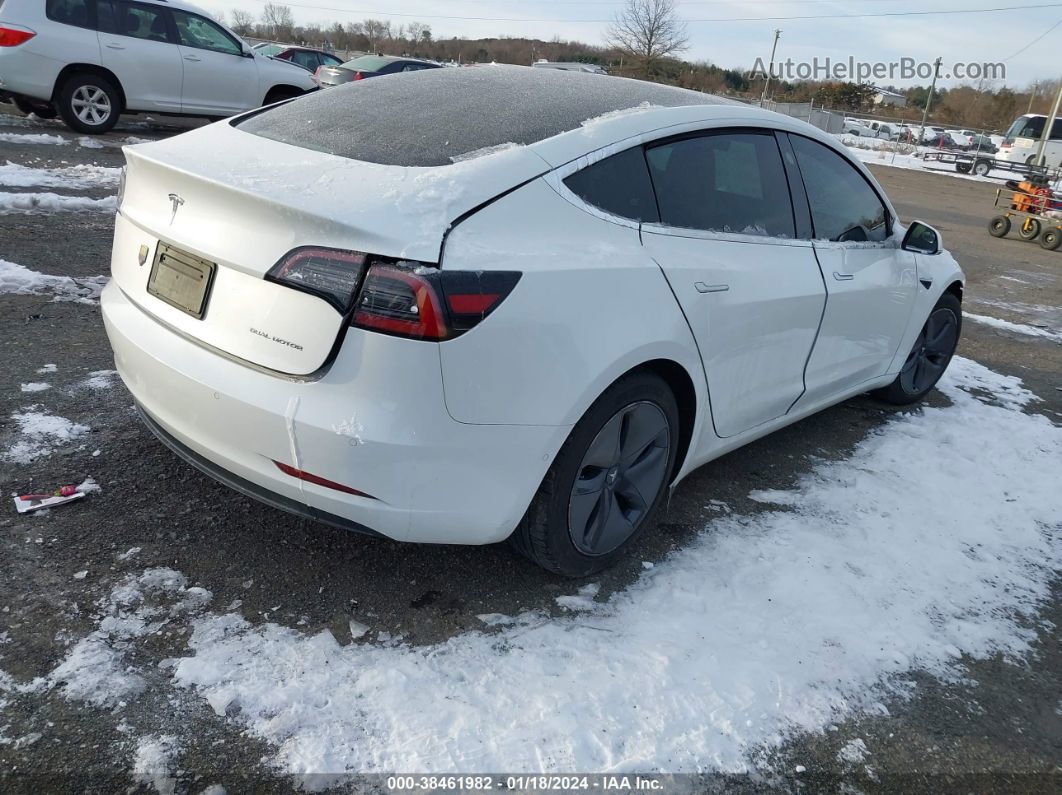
x: 885, y: 97
x: 573, y: 66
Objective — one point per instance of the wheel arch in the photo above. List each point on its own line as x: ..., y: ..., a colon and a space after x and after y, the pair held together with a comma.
x: 72, y: 69
x: 955, y: 288
x: 281, y: 91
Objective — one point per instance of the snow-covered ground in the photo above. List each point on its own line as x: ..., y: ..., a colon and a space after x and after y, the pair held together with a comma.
x: 936, y: 538
x: 889, y: 153
x: 78, y: 177
x: 20, y: 280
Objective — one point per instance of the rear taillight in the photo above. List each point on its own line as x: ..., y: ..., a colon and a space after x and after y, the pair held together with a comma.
x: 12, y: 37
x: 325, y: 272
x: 360, y: 76
x: 429, y: 304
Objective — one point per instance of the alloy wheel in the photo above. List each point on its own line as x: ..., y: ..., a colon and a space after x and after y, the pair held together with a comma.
x: 619, y: 478
x: 931, y: 353
x: 91, y: 104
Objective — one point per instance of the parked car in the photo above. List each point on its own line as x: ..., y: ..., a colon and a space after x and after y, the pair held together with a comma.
x: 883, y: 130
x: 534, y: 343
x: 855, y: 127
x: 983, y: 143
x: 306, y: 57
x: 369, y: 66
x: 91, y: 60
x: 944, y: 139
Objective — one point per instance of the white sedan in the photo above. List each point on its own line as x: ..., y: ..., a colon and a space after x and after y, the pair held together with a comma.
x: 467, y: 305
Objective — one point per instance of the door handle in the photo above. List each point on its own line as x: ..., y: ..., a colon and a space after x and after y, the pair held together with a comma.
x: 843, y: 277
x: 192, y: 58
x: 711, y: 288
x: 113, y: 46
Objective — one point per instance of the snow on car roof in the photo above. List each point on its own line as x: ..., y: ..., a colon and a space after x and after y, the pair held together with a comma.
x: 432, y: 117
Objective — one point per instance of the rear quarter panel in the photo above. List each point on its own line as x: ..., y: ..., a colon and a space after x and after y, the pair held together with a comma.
x: 590, y: 306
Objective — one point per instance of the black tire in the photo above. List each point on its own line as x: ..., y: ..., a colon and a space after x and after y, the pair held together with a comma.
x: 89, y: 103
x: 42, y: 110
x: 929, y: 358
x: 1051, y: 239
x: 999, y: 226
x: 1029, y: 229
x: 963, y: 168
x: 281, y: 94
x: 580, y: 532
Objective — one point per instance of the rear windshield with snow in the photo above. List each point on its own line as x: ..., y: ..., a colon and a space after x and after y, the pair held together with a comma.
x: 368, y: 63
x: 434, y: 116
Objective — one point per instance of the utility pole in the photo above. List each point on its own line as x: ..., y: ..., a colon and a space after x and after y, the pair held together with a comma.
x: 929, y: 100
x: 1048, y: 124
x: 1032, y: 97
x: 770, y: 68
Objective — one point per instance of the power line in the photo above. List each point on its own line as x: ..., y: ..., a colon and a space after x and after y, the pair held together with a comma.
x: 1031, y: 43
x: 865, y: 15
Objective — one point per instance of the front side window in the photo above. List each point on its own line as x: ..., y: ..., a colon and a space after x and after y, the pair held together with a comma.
x: 725, y: 182
x: 69, y: 12
x: 843, y: 205
x: 619, y: 184
x: 196, y: 31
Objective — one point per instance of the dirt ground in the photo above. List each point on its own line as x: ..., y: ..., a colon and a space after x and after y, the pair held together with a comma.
x: 999, y: 730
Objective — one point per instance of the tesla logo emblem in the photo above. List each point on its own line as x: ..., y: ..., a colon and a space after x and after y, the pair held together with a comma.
x: 142, y: 256
x: 176, y: 201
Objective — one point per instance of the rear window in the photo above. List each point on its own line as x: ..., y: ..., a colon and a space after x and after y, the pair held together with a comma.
x: 367, y: 63
x: 619, y: 185
x: 432, y: 116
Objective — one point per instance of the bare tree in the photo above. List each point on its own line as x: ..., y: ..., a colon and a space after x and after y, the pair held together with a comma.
x: 415, y: 32
x: 242, y: 22
x: 278, y: 20
x: 648, y: 30
x: 376, y: 31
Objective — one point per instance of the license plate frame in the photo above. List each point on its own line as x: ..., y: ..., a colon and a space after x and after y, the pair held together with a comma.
x: 181, y: 279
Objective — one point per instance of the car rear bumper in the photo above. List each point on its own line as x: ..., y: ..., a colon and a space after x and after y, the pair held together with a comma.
x: 375, y: 422
x: 26, y: 74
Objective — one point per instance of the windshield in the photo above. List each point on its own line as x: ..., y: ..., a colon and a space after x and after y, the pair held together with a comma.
x: 367, y: 63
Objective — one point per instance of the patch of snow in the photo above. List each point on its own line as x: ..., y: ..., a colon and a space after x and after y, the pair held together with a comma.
x: 41, y: 433
x: 100, y: 379
x: 1017, y: 328
x: 128, y: 553
x: 89, y: 143
x: 35, y: 386
x: 583, y: 600
x: 641, y: 107
x: 853, y: 752
x: 32, y: 138
x: 13, y: 175
x: 53, y: 203
x: 357, y: 629
x: 81, y: 574
x: 770, y: 624
x: 154, y: 762
x: 47, y: 368
x: 88, y: 486
x: 486, y: 151
x: 19, y: 280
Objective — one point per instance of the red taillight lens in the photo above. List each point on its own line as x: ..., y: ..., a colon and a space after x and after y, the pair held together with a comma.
x: 400, y: 301
x: 328, y: 273
x: 311, y: 478
x: 360, y: 76
x: 429, y: 304
x: 11, y: 37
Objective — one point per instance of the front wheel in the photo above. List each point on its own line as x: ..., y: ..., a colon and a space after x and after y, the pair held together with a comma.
x: 607, y: 481
x: 89, y: 103
x: 929, y: 357
x: 999, y: 226
x: 1029, y: 229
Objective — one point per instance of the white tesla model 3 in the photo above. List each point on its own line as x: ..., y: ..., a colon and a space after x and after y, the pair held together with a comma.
x: 468, y: 305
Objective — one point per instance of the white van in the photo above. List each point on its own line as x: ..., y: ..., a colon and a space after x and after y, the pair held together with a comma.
x: 1022, y: 141
x: 90, y: 60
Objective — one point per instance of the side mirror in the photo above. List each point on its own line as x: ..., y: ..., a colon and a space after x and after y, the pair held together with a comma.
x: 921, y: 239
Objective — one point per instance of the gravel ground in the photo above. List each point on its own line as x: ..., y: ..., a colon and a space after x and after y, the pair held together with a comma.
x: 1001, y: 728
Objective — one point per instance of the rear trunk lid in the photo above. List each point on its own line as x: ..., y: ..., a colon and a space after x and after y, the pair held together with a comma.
x: 213, y: 210
x: 333, y: 76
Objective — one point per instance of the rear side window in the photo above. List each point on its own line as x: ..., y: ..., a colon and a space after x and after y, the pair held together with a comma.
x: 843, y: 205
x: 138, y: 21
x: 726, y: 182
x: 69, y: 12
x: 619, y: 185
x: 307, y: 60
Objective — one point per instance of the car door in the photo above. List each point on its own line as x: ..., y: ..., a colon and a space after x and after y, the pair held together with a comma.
x: 751, y: 290
x: 137, y: 44
x: 871, y: 282
x: 218, y: 78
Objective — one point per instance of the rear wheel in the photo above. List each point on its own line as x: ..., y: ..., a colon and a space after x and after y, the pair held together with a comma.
x: 999, y: 226
x: 1051, y: 239
x: 1029, y: 229
x: 607, y: 481
x: 929, y: 357
x: 981, y: 168
x: 89, y: 103
x: 42, y: 110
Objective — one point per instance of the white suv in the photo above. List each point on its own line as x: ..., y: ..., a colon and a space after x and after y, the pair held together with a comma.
x: 90, y: 60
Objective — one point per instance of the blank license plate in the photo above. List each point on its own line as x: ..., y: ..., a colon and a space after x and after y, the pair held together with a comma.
x: 181, y: 279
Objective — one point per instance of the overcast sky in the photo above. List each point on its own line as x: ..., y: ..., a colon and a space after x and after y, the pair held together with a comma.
x: 965, y: 37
